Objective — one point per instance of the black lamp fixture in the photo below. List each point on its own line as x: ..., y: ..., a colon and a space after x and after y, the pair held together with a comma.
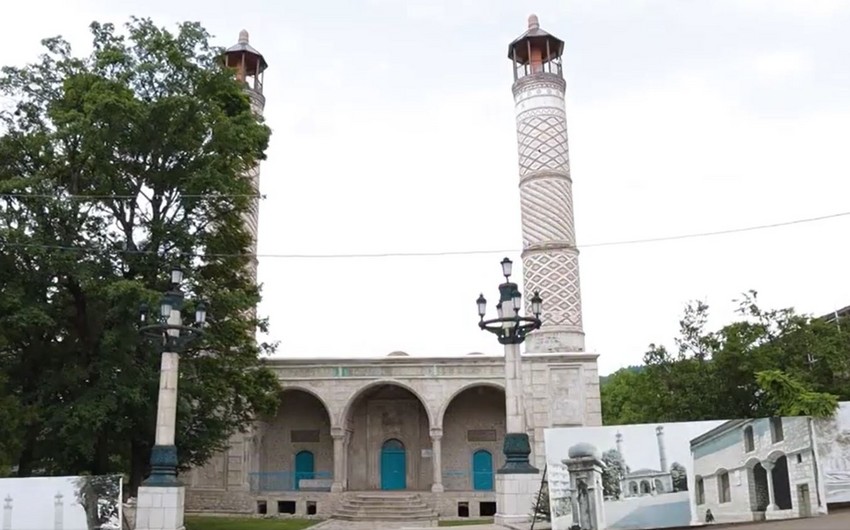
x: 174, y: 336
x: 509, y: 327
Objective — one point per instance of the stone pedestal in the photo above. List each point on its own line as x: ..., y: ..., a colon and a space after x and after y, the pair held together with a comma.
x: 160, y: 508
x: 515, y: 497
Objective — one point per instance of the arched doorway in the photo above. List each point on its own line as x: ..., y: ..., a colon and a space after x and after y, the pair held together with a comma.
x: 781, y: 484
x: 633, y: 488
x: 296, y: 444
x: 305, y: 467
x: 473, y: 420
x: 482, y: 470
x: 659, y: 486
x: 759, y: 496
x: 645, y: 487
x: 377, y: 414
x: 393, y: 465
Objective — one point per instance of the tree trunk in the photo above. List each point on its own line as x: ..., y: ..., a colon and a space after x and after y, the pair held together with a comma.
x: 26, y: 461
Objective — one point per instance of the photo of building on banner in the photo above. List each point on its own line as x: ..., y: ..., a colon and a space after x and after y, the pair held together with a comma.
x: 61, y: 503
x: 696, y: 473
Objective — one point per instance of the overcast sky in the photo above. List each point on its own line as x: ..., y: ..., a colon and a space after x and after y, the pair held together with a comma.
x: 640, y: 443
x: 394, y: 132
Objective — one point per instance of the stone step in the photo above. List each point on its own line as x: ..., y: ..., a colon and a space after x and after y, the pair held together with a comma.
x: 425, y: 513
x: 385, y: 502
x: 399, y: 518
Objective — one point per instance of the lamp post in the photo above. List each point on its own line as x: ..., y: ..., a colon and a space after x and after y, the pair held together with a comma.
x: 172, y: 335
x: 511, y: 329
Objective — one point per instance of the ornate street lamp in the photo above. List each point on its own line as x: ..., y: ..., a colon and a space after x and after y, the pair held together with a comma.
x: 511, y: 328
x: 172, y: 337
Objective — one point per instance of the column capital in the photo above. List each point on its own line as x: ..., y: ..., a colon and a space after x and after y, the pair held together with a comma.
x: 436, y: 433
x: 767, y: 465
x: 337, y: 433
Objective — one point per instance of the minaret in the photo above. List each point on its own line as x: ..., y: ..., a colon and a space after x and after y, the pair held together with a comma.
x: 250, y: 67
x: 662, y: 452
x: 7, y: 512
x: 549, y: 256
x: 619, y: 439
x: 58, y: 512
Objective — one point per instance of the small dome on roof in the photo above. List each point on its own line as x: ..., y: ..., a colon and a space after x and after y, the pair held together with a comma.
x: 398, y: 354
x: 583, y: 450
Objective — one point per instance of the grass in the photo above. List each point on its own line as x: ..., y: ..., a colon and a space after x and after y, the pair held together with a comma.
x: 464, y: 522
x: 246, y: 523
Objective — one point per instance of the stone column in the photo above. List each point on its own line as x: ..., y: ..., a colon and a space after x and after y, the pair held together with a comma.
x: 7, y: 513
x: 338, y: 436
x: 771, y: 498
x: 58, y: 512
x: 436, y: 460
x: 662, y: 451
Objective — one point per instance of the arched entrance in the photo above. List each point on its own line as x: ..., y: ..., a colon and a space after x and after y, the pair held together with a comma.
x: 781, y: 484
x: 305, y: 467
x: 633, y: 488
x: 473, y: 423
x: 645, y: 487
x: 659, y: 486
x: 389, y: 430
x: 296, y: 444
x: 393, y: 465
x: 482, y: 470
x: 759, y: 496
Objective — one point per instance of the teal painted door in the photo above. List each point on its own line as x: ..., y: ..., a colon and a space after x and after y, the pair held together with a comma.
x: 482, y: 471
x: 393, y: 466
x: 304, y: 469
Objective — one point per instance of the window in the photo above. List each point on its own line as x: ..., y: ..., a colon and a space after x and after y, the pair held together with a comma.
x: 724, y: 492
x: 799, y: 458
x: 749, y: 440
x: 776, y: 433
x: 700, y: 490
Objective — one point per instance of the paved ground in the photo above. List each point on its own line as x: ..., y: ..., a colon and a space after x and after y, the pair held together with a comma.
x: 835, y: 521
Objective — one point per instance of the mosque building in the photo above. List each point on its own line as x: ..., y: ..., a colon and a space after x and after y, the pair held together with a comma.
x: 402, y: 437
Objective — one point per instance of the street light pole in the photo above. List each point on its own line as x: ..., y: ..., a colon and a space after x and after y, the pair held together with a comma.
x: 511, y: 329
x: 172, y: 337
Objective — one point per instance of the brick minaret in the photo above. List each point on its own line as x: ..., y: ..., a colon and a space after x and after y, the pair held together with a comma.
x: 549, y: 257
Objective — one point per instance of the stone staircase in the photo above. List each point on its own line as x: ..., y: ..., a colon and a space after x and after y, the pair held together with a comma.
x: 386, y: 506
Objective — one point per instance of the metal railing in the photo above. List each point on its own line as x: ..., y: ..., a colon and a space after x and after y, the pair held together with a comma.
x: 465, y: 480
x: 285, y: 480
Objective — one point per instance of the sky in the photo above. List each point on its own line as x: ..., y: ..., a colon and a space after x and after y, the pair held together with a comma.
x: 394, y: 132
x: 640, y: 443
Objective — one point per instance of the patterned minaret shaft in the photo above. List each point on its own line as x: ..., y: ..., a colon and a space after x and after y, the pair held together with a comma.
x: 250, y: 66
x: 549, y: 257
x: 7, y: 512
x: 662, y: 451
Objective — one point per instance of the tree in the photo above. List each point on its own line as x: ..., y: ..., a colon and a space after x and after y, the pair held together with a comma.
x: 114, y: 167
x: 613, y: 474
x: 540, y: 510
x: 99, y: 498
x: 725, y: 364
x: 680, y: 477
x: 792, y: 398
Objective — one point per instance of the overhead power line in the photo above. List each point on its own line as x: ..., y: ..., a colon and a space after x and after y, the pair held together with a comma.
x: 458, y: 252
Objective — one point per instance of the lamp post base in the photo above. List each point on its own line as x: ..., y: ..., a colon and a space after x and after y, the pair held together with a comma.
x: 160, y: 508
x: 163, y: 467
x: 515, y: 498
x: 517, y: 448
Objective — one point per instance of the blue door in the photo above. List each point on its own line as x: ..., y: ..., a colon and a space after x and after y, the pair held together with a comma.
x: 304, y: 463
x: 393, y: 466
x: 482, y: 471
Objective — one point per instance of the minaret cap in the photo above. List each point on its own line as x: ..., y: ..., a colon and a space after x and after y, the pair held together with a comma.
x: 534, y: 37
x: 243, y: 36
x: 254, y: 62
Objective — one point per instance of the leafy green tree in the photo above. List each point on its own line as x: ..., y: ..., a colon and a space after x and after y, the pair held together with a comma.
x: 792, y: 398
x: 114, y: 167
x: 680, y: 477
x: 614, y: 472
x: 725, y: 364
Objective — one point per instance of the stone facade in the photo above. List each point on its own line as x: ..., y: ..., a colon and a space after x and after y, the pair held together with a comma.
x: 443, y: 410
x: 749, y: 470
